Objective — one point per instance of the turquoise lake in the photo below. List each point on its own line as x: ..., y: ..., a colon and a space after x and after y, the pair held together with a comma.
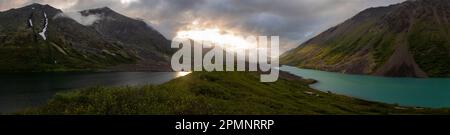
x: 416, y: 92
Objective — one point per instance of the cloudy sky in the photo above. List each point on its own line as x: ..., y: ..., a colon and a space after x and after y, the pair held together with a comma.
x: 293, y: 20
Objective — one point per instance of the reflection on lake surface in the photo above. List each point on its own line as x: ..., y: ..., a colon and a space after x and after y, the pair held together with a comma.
x: 429, y: 92
x: 18, y: 91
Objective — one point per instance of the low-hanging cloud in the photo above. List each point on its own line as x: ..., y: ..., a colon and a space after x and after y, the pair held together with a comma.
x: 84, y: 20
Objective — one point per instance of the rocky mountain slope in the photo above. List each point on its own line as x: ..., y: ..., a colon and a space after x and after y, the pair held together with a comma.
x: 410, y: 39
x: 151, y: 46
x: 39, y: 38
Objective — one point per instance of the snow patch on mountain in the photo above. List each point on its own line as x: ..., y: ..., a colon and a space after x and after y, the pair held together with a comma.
x: 45, y: 27
x: 30, y: 22
x: 82, y: 19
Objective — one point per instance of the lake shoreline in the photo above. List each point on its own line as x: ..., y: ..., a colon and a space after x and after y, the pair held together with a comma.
x: 312, y: 82
x: 210, y: 93
x: 283, y: 75
x: 356, y: 86
x: 374, y: 75
x: 141, y: 66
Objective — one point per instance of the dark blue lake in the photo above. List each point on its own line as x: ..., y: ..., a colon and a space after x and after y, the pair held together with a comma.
x: 18, y: 91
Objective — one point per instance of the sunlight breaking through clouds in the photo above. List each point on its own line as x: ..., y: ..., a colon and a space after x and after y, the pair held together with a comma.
x: 218, y: 36
x: 128, y: 1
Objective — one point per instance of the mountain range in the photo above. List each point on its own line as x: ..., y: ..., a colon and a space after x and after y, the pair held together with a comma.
x: 410, y: 39
x: 38, y: 38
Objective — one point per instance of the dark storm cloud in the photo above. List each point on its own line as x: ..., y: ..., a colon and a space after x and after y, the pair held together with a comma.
x: 293, y: 20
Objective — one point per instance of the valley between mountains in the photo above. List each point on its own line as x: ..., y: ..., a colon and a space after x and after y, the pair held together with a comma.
x: 410, y: 39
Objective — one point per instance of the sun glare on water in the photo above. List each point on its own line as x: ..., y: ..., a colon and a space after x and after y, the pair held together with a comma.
x: 181, y: 74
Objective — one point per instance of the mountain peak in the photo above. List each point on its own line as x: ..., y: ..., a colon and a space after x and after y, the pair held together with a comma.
x: 106, y: 8
x: 37, y: 5
x: 103, y: 10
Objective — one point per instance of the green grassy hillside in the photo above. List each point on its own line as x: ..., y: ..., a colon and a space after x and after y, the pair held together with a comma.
x: 409, y: 39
